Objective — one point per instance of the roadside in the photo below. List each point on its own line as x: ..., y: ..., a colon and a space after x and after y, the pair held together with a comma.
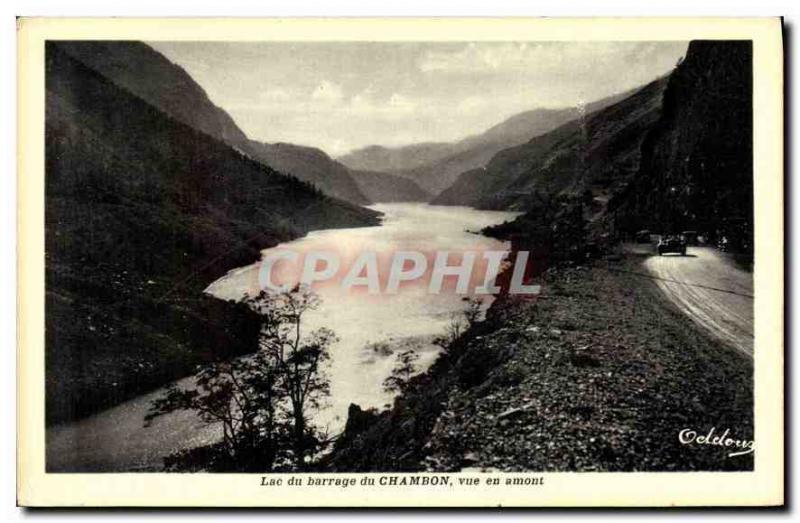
x: 710, y: 288
x: 601, y: 373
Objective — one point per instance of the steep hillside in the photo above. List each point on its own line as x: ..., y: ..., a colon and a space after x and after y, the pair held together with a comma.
x: 310, y: 165
x: 692, y: 168
x: 476, y: 151
x: 598, y: 153
x: 503, y: 168
x: 143, y: 71
x: 697, y: 161
x: 142, y: 213
x: 146, y: 73
x: 385, y: 187
x: 594, y: 378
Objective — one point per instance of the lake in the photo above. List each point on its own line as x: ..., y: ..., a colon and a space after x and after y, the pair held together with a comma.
x: 371, y: 329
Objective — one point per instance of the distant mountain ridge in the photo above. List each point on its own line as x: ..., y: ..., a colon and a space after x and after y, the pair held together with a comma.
x: 391, y: 159
x: 435, y: 166
x: 598, y: 153
x: 385, y: 187
x: 675, y: 156
x: 312, y: 165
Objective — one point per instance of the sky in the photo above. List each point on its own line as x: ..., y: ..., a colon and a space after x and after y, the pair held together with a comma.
x: 342, y: 96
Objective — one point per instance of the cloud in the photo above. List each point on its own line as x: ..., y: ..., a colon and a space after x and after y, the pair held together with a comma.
x: 327, y: 92
x: 345, y: 96
x: 402, y: 103
x: 274, y: 95
x: 472, y: 104
x: 367, y: 102
x: 544, y: 57
x: 474, y: 57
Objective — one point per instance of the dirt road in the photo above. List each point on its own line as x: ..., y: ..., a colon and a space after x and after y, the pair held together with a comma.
x: 710, y: 289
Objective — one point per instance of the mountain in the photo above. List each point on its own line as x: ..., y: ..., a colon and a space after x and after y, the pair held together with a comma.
x: 143, y: 71
x: 142, y: 212
x: 379, y: 158
x: 697, y: 160
x: 598, y: 153
x: 434, y: 167
x: 385, y: 187
x: 311, y: 165
x: 675, y: 156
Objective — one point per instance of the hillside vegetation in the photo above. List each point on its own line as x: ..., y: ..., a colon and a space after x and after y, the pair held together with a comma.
x: 311, y: 165
x: 142, y: 212
x: 599, y: 374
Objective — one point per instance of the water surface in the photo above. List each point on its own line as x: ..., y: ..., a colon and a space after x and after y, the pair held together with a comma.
x: 117, y: 440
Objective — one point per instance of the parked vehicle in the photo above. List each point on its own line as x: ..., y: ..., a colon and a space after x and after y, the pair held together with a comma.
x: 691, y: 237
x: 672, y: 244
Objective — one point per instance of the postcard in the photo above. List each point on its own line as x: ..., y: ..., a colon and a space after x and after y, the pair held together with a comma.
x: 400, y: 262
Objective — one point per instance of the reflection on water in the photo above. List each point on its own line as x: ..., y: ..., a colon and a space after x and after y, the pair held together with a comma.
x: 360, y: 361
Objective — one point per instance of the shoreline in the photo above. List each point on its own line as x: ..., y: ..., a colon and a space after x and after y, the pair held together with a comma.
x: 599, y: 374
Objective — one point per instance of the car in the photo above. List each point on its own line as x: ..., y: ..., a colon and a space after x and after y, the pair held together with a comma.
x: 672, y: 243
x: 691, y: 237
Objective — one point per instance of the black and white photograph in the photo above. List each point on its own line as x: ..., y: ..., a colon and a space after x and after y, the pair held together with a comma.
x: 427, y: 259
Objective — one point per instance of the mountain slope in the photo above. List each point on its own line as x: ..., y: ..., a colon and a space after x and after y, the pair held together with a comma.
x: 434, y: 167
x: 142, y: 213
x: 143, y: 71
x: 310, y: 165
x: 379, y: 158
x: 598, y: 153
x: 697, y: 166
x: 475, y: 151
x: 692, y: 170
x: 385, y: 187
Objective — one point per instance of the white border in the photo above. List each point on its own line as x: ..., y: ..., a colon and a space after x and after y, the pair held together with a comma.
x: 773, y: 208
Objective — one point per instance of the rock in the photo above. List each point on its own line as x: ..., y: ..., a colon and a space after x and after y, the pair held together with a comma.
x: 583, y: 359
x: 469, y: 457
x: 359, y: 420
x: 511, y: 413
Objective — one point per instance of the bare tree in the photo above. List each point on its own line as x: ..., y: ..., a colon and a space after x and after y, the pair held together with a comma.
x: 296, y: 357
x: 263, y: 401
x: 242, y: 396
x: 404, y: 369
x: 460, y: 322
x: 455, y: 328
x: 472, y: 310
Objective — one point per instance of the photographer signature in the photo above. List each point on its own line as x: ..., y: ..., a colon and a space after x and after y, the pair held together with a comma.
x: 689, y: 436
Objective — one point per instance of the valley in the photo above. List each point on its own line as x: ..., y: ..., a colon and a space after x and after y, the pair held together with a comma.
x: 160, y: 210
x: 371, y: 331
